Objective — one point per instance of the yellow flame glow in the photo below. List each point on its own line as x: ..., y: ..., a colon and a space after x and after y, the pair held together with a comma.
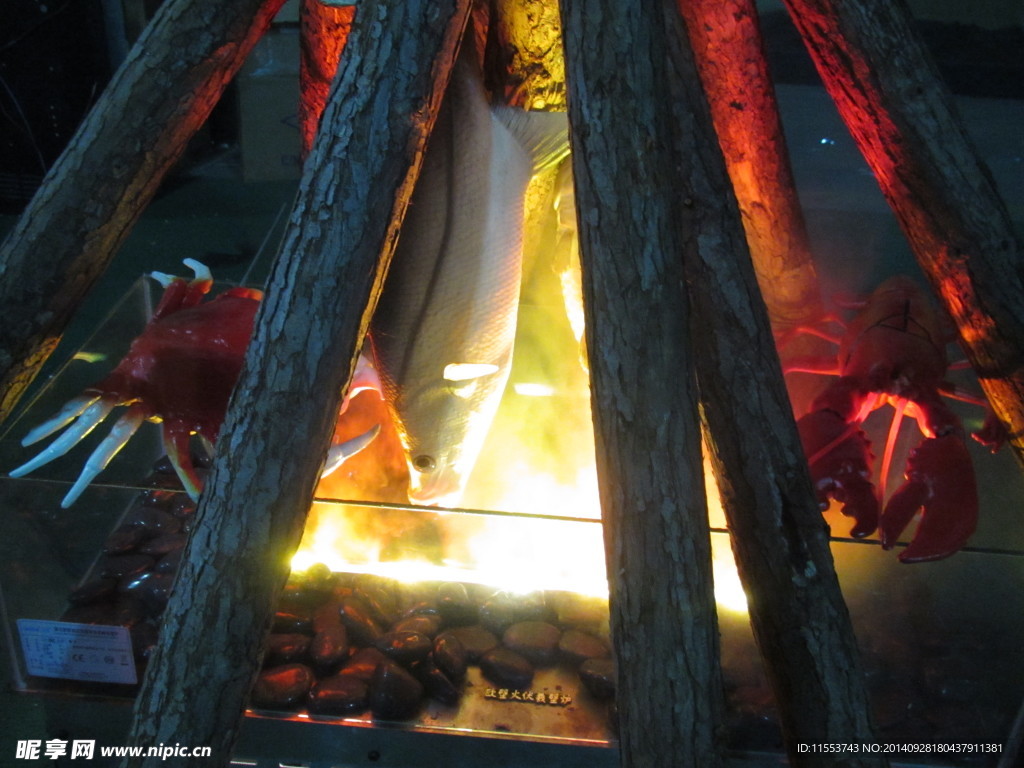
x: 517, y: 554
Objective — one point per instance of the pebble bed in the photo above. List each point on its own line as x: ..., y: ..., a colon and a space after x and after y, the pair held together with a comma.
x: 346, y: 645
x: 350, y: 645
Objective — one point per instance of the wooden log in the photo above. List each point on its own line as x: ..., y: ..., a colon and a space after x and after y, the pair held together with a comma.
x: 323, y: 32
x: 729, y: 52
x: 92, y: 196
x: 902, y: 117
x: 663, y: 619
x: 779, y: 538
x: 530, y: 66
x: 320, y: 295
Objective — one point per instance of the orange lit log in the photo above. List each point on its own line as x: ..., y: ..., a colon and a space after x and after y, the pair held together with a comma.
x: 92, y: 196
x: 309, y: 330
x: 643, y: 386
x: 323, y: 33
x: 528, y: 58
x: 901, y: 116
x: 729, y: 53
x: 780, y: 541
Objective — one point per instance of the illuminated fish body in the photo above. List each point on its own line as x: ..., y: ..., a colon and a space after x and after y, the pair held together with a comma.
x: 446, y: 322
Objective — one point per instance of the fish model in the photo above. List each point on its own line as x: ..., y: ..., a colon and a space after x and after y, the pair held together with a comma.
x: 445, y: 325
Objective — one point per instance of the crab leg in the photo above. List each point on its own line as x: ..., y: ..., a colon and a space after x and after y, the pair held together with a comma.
x: 72, y: 410
x: 176, y: 444
x: 88, y: 419
x: 120, y: 434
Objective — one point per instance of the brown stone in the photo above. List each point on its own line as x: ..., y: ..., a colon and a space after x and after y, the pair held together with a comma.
x: 575, y: 647
x: 506, y: 667
x: 339, y: 695
x: 284, y: 648
x: 362, y: 628
x: 450, y: 656
x: 364, y: 663
x: 536, y: 641
x: 404, y: 647
x: 394, y: 693
x: 329, y: 648
x: 476, y: 640
x: 284, y: 686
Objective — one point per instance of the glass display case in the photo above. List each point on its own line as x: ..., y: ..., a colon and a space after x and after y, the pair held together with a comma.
x: 491, y: 624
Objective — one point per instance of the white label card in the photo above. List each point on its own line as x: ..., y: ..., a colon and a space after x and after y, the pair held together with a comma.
x: 91, y: 652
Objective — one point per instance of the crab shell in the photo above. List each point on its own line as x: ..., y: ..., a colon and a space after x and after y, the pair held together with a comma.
x: 183, y: 367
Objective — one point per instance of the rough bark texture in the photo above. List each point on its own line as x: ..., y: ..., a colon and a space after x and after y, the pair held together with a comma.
x: 892, y: 100
x: 96, y: 190
x: 528, y: 42
x: 663, y: 619
x: 323, y: 34
x: 320, y: 295
x: 729, y: 52
x: 780, y: 541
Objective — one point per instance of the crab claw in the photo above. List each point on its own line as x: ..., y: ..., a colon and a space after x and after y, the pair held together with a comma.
x: 364, y: 378
x: 840, y: 464
x: 993, y: 433
x: 339, y: 454
x: 940, y: 482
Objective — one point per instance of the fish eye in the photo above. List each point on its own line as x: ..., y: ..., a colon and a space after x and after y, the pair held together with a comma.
x: 424, y: 463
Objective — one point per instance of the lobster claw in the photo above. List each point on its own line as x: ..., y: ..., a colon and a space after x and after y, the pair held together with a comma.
x: 840, y: 464
x: 940, y: 482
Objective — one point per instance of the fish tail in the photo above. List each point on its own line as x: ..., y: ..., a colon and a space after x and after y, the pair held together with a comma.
x: 543, y: 135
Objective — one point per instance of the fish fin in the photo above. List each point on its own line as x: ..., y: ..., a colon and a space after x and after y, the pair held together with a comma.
x: 543, y: 135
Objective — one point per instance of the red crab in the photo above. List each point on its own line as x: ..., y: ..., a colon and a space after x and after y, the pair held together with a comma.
x: 181, y: 371
x: 894, y: 351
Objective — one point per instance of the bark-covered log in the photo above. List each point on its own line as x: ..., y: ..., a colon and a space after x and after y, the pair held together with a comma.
x: 663, y: 620
x: 92, y: 196
x: 320, y: 295
x: 528, y: 67
x: 729, y: 52
x: 901, y: 115
x: 323, y: 33
x: 797, y: 612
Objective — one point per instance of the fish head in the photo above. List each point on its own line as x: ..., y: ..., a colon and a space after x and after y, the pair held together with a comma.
x: 445, y: 427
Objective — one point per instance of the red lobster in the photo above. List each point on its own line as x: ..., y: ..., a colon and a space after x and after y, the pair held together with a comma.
x: 180, y: 370
x: 894, y: 351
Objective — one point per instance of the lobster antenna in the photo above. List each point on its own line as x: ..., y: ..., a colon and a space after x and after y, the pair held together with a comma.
x: 890, y: 443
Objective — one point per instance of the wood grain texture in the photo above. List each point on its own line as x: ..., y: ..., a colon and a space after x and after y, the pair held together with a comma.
x: 729, y: 52
x: 92, y: 196
x: 902, y: 117
x: 320, y: 294
x: 324, y: 31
